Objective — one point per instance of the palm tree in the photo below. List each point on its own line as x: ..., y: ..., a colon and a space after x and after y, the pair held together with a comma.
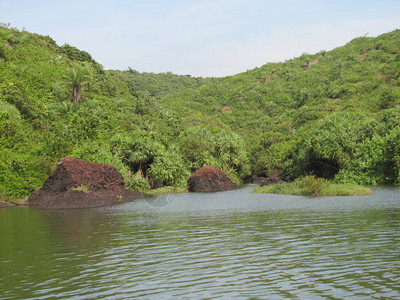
x: 75, y: 78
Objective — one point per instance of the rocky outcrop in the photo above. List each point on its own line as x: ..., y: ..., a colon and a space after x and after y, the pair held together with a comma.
x: 273, y: 178
x: 210, y: 179
x: 255, y: 179
x: 81, y: 184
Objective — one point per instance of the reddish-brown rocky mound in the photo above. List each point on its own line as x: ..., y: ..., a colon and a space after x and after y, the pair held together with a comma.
x: 81, y: 184
x: 210, y: 179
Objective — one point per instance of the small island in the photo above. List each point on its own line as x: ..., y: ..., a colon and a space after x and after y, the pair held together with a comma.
x: 314, y: 186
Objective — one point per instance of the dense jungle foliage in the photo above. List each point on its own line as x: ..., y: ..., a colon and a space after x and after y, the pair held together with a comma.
x: 334, y: 114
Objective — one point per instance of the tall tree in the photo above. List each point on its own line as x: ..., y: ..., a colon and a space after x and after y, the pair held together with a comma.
x: 76, y: 78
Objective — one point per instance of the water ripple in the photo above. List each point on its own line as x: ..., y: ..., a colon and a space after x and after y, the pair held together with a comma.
x: 224, y: 245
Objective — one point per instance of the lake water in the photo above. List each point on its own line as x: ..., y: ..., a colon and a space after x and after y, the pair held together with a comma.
x: 224, y: 245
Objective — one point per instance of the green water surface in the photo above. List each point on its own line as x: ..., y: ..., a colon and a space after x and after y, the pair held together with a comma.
x: 225, y: 245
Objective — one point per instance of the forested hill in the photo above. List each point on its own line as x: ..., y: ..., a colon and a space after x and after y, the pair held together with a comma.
x: 335, y: 114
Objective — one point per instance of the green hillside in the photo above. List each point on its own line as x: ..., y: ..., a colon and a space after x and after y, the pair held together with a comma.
x: 335, y: 114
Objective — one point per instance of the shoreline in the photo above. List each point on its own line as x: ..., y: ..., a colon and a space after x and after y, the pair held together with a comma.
x: 6, y: 204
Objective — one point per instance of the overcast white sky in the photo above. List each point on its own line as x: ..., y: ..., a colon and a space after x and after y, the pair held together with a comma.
x: 201, y: 37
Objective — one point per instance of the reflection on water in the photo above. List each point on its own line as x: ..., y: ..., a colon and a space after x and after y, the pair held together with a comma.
x: 230, y: 244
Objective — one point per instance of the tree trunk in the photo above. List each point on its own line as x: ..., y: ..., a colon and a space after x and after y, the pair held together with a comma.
x: 76, y: 93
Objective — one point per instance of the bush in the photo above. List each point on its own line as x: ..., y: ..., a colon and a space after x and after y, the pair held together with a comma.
x: 311, y: 185
x: 3, y: 54
x: 330, y: 145
x: 168, y: 168
x: 136, y: 183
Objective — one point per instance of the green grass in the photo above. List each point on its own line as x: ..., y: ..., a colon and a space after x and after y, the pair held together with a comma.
x: 312, y: 186
x: 167, y: 190
x: 82, y: 188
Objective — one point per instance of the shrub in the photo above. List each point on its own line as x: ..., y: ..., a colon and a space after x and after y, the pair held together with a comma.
x: 3, y: 52
x: 310, y: 185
